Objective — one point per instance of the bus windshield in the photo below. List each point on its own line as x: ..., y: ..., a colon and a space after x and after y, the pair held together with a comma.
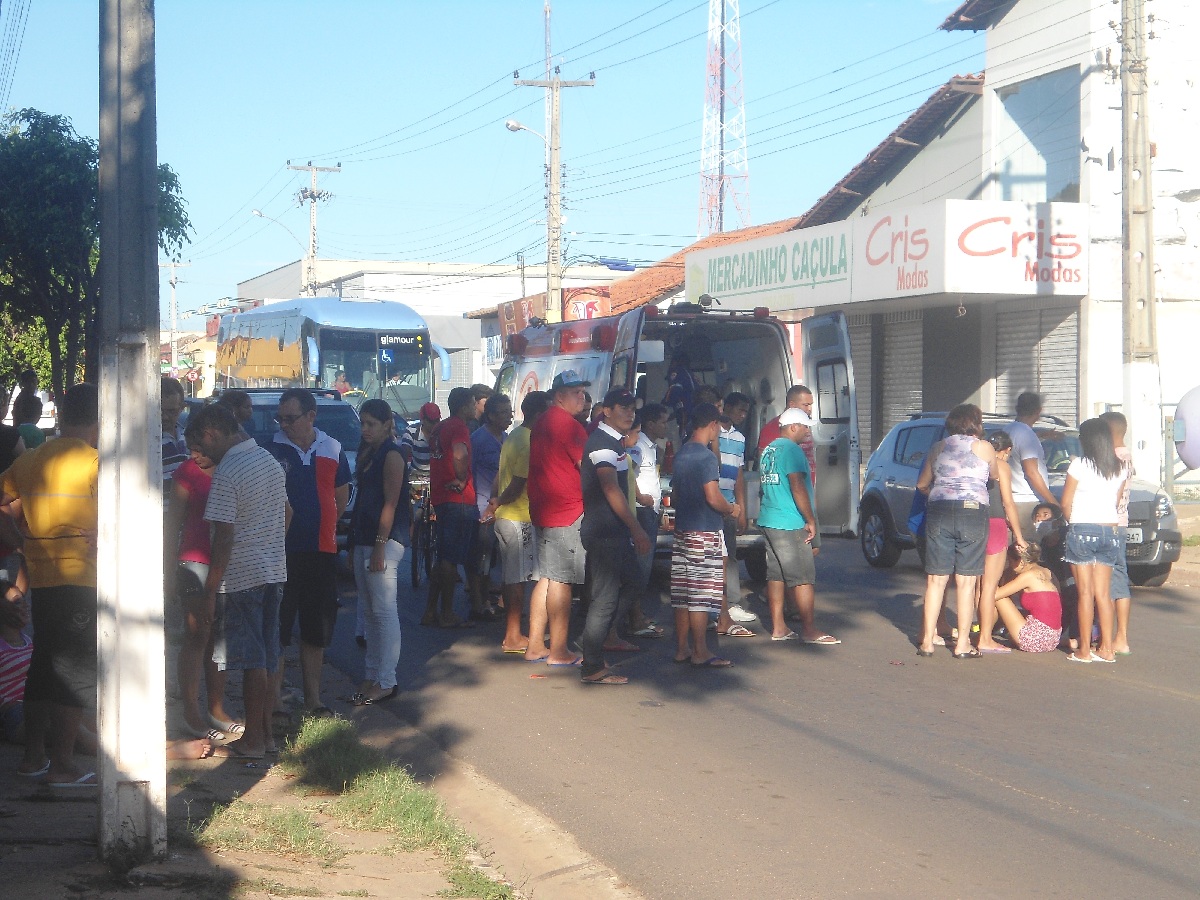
x: 393, y: 366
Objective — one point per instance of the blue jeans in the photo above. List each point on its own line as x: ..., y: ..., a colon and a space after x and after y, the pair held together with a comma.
x: 616, y: 582
x: 648, y: 519
x: 377, y: 595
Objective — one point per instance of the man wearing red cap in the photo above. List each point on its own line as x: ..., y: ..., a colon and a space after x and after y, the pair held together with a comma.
x: 415, y: 443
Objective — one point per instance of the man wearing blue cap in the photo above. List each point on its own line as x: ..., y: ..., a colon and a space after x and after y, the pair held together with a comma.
x: 610, y: 532
x: 556, y: 508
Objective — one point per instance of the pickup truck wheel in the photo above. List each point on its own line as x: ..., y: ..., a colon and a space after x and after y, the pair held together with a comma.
x: 1150, y: 576
x: 756, y: 564
x: 877, y: 546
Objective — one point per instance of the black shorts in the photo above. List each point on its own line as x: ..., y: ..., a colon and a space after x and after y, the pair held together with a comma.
x: 311, y: 593
x: 63, y: 667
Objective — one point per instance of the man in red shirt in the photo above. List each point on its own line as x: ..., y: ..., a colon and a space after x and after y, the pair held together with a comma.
x: 556, y: 508
x: 798, y: 397
x: 452, y: 493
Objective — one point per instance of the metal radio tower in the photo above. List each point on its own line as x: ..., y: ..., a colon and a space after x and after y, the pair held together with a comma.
x: 724, y: 176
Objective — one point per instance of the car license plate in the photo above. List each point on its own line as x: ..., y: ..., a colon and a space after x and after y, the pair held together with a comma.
x: 1133, y: 535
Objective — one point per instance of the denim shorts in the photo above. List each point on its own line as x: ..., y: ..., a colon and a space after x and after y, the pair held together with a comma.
x: 560, y: 553
x: 457, y: 524
x: 1119, y: 585
x: 247, y: 636
x: 1090, y: 545
x: 956, y: 535
x: 789, y: 557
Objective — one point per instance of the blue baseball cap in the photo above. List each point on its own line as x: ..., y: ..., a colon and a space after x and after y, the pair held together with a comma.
x: 568, y: 378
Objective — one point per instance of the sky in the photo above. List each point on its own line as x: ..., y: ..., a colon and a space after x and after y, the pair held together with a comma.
x: 411, y: 99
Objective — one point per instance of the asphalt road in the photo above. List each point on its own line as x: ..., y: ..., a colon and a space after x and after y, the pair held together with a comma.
x: 849, y: 770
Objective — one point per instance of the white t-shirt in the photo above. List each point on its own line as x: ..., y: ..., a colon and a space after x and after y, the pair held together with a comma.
x: 648, y: 481
x: 1096, y: 497
x: 1025, y: 446
x: 1126, y: 456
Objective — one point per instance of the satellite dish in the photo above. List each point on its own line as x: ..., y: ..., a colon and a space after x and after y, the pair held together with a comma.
x: 1187, y: 428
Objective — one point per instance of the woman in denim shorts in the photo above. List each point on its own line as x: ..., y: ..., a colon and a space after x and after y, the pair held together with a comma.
x: 955, y: 476
x: 1094, y: 484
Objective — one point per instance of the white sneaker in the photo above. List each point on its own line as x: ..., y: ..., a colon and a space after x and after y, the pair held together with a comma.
x: 740, y: 615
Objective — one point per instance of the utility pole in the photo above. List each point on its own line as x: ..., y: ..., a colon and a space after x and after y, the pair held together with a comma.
x: 311, y: 195
x: 131, y: 695
x: 173, y: 265
x: 1142, y: 398
x: 521, y: 268
x: 554, y: 85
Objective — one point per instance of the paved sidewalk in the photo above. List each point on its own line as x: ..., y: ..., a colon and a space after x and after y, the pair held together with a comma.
x: 48, y: 843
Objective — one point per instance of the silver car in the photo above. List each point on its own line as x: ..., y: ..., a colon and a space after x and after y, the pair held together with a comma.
x: 1153, y: 538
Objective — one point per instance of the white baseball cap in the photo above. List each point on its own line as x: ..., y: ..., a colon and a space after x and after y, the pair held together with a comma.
x: 794, y: 417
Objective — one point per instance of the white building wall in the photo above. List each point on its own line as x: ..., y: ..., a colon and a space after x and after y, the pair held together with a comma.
x: 949, y: 166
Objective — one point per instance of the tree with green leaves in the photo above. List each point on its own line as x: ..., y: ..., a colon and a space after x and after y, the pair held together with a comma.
x: 50, y: 238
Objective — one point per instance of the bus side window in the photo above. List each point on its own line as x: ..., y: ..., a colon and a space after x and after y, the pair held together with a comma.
x: 506, y: 380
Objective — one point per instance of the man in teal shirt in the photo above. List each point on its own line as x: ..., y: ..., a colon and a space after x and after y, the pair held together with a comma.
x: 787, y: 522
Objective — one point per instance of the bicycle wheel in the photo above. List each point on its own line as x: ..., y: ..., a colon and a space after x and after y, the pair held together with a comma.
x: 428, y: 551
x: 415, y: 553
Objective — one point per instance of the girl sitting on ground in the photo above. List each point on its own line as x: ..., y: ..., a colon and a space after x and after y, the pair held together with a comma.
x: 1039, y: 632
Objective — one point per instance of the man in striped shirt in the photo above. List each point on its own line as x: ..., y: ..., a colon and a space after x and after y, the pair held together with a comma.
x: 414, y: 446
x: 249, y: 512
x: 731, y: 446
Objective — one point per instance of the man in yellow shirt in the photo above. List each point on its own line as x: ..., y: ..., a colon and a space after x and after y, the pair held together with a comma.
x: 51, y: 493
x: 514, y: 529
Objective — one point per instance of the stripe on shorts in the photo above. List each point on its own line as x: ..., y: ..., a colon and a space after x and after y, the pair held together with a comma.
x: 698, y: 571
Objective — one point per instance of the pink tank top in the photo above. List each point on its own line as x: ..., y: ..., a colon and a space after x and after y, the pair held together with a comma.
x: 1045, y: 606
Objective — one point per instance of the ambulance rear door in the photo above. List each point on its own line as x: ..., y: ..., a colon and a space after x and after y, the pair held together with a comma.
x: 829, y: 371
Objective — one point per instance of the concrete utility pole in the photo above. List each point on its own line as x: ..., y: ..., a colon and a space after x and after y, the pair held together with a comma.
x: 130, y: 653
x: 554, y: 86
x: 1142, y: 399
x: 174, y: 311
x: 311, y: 195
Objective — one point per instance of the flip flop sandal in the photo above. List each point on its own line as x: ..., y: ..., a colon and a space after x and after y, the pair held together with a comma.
x: 825, y: 640
x: 83, y: 782
x: 577, y: 661
x: 230, y: 728
x: 38, y: 774
x: 649, y: 631
x: 737, y: 631
x: 607, y: 678
x: 232, y: 751
x: 367, y: 701
x: 713, y: 662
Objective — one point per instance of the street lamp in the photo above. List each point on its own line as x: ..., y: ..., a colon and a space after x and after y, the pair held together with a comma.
x: 310, y: 265
x: 553, y: 221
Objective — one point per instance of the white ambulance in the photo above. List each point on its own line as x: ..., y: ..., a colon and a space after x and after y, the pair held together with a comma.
x: 748, y: 352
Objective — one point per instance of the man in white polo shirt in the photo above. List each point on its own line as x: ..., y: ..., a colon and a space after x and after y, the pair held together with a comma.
x: 249, y: 512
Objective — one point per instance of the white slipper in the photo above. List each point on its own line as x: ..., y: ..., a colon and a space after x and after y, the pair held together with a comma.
x: 83, y: 782
x: 38, y: 774
x: 790, y: 636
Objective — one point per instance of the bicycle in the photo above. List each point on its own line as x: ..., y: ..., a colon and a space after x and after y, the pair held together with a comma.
x: 424, y: 533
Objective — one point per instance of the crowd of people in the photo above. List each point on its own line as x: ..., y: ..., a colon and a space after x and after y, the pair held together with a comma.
x: 988, y: 511
x: 568, y: 502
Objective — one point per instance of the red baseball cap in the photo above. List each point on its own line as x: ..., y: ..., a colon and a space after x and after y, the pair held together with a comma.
x: 431, y: 412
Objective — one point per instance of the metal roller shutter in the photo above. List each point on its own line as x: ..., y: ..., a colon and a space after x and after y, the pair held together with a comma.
x: 860, y: 357
x: 902, y: 360
x: 1038, y: 350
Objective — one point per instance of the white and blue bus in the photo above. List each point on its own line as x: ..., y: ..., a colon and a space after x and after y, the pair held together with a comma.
x: 363, y: 348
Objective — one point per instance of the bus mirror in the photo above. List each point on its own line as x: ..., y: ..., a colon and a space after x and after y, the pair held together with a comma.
x: 651, y: 352
x: 313, y: 365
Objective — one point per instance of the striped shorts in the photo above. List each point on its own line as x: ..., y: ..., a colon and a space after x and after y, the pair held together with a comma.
x: 698, y: 571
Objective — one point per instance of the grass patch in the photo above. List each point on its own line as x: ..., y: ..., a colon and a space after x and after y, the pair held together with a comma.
x: 276, y: 889
x: 326, y: 756
x: 1192, y: 541
x: 466, y: 881
x: 251, y: 827
x: 359, y: 893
